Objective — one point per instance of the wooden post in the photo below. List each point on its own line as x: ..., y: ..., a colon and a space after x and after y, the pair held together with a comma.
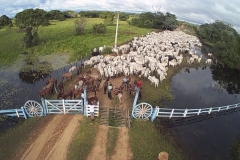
x: 115, y: 45
x: 64, y: 110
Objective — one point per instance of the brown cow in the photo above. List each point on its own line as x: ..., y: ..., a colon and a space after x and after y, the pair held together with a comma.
x: 67, y: 75
x: 60, y: 87
x: 92, y: 99
x: 64, y: 95
x: 77, y: 92
x: 51, y: 80
x: 45, y: 92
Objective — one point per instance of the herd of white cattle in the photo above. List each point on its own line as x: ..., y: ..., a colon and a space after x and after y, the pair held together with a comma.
x: 146, y: 55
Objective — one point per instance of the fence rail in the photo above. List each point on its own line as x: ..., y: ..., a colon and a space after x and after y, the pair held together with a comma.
x: 20, y: 112
x: 181, y: 113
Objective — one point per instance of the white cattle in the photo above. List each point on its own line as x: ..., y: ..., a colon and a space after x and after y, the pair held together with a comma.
x: 87, y: 62
x: 209, y: 54
x: 73, y: 68
x: 101, y: 49
x: 208, y: 61
x: 154, y: 80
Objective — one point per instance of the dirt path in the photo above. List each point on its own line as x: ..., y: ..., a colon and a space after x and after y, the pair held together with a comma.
x: 99, y: 149
x: 122, y: 150
x: 53, y: 142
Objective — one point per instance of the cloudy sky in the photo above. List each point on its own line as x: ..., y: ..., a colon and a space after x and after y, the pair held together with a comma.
x: 195, y: 11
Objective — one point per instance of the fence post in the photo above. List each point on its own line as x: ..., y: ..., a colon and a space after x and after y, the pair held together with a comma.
x: 171, y: 114
x: 85, y: 110
x: 154, y: 114
x: 185, y: 113
x: 85, y: 101
x: 24, y: 113
x: 44, y: 106
x: 135, y: 101
x: 210, y: 110
x: 64, y: 109
x: 199, y: 111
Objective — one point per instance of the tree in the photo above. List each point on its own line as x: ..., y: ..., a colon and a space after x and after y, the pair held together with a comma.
x: 108, y: 17
x: 30, y: 20
x: 56, y: 15
x: 28, y: 38
x: 123, y: 16
x: 5, y: 21
x: 80, y: 25
x: 224, y: 41
x: 170, y: 22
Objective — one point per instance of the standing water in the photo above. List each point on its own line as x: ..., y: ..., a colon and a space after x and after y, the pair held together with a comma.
x: 205, y: 87
x: 15, y: 92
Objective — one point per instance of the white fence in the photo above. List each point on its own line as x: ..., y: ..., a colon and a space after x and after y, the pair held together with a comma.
x: 178, y: 113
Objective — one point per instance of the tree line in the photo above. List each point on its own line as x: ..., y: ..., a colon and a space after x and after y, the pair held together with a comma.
x: 223, y: 40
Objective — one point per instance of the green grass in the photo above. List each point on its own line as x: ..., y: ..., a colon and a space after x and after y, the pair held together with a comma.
x: 59, y: 38
x: 14, y: 139
x: 146, y: 142
x: 83, y: 141
x: 112, y: 136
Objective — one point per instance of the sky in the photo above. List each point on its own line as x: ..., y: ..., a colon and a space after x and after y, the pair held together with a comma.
x: 194, y: 11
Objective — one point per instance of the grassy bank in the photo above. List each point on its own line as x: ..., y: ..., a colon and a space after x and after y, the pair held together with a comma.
x: 59, y: 38
x: 146, y: 142
x: 83, y: 141
x: 15, y: 139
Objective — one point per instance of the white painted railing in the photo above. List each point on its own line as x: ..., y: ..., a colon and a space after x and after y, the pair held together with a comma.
x: 181, y: 113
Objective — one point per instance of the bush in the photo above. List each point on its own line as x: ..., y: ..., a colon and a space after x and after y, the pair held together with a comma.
x: 80, y: 25
x: 99, y: 28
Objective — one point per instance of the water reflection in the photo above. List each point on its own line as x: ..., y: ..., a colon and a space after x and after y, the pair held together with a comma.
x: 212, y: 86
x: 226, y: 78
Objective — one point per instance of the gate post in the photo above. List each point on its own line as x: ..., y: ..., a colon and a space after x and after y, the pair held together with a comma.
x: 154, y: 114
x: 85, y: 101
x: 24, y: 113
x: 44, y: 106
x: 135, y: 101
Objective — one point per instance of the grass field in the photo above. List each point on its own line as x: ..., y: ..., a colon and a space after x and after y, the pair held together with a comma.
x: 60, y: 38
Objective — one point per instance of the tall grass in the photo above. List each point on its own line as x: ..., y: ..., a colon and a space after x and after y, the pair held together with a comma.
x: 60, y: 38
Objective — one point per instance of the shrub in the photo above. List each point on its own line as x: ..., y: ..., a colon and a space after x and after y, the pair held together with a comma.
x: 99, y: 28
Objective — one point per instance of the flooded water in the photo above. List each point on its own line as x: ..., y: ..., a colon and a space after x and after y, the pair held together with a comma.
x: 15, y: 92
x: 210, y: 137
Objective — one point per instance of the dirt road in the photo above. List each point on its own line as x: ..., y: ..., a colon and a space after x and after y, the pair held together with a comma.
x: 53, y: 142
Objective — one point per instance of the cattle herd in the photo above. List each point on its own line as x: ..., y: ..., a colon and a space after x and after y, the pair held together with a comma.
x: 147, y: 56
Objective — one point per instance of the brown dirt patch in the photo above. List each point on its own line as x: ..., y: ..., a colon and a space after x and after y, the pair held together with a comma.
x: 122, y: 150
x: 53, y: 142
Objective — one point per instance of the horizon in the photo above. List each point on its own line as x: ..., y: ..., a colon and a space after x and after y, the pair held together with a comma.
x: 195, y: 11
